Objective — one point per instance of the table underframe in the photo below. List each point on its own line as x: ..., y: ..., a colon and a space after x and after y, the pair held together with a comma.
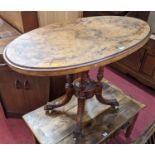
x: 83, y: 88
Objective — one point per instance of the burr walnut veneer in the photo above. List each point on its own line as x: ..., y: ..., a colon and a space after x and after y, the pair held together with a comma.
x: 76, y: 48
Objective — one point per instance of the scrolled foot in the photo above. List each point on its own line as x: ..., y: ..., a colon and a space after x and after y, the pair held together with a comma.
x: 48, y: 107
x: 58, y: 103
x: 112, y: 102
x: 115, y: 108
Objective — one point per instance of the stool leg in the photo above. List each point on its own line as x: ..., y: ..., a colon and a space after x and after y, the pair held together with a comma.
x: 98, y: 91
x: 131, y: 126
x: 36, y: 141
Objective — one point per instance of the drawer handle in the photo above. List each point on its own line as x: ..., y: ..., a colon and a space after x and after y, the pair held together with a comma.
x: 26, y: 85
x: 3, y: 65
x: 18, y: 84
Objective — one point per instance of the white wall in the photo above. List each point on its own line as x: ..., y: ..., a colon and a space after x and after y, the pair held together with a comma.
x: 48, y: 17
x: 151, y: 21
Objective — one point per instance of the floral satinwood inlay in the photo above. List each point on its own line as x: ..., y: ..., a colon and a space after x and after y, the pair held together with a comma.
x: 84, y: 41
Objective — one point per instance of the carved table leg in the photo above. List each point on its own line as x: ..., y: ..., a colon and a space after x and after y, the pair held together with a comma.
x: 80, y: 91
x: 98, y: 91
x: 78, y: 128
x: 65, y: 99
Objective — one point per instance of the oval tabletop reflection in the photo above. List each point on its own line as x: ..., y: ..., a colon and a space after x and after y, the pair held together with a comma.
x: 59, y: 49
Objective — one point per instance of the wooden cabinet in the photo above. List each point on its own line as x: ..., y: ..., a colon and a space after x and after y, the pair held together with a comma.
x: 140, y: 65
x: 24, y: 21
x: 21, y: 94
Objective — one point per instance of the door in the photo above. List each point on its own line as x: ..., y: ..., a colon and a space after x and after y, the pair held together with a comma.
x: 12, y: 94
x: 21, y: 94
x: 36, y: 92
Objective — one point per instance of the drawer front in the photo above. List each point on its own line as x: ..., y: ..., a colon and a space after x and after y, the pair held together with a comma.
x: 148, y: 66
x: 36, y: 91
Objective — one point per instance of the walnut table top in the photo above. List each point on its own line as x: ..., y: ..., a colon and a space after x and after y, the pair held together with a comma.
x: 80, y: 46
